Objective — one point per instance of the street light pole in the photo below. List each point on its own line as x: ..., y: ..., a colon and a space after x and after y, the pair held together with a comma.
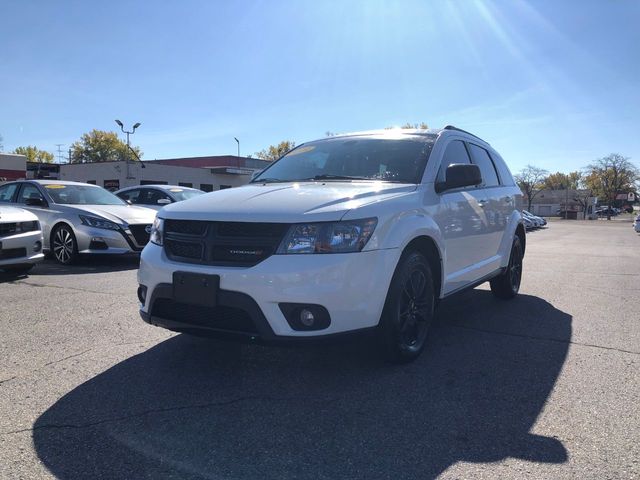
x: 119, y: 123
x: 238, y: 142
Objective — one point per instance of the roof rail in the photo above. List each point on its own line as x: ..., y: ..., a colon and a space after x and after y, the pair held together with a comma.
x: 451, y: 127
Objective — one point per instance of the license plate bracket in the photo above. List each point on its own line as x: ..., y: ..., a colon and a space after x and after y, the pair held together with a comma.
x: 196, y: 288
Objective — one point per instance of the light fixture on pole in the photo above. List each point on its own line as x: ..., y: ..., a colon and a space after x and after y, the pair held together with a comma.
x: 238, y: 142
x: 136, y: 125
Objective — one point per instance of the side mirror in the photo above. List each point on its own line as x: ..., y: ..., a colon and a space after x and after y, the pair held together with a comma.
x: 163, y: 201
x: 34, y: 202
x: 460, y: 175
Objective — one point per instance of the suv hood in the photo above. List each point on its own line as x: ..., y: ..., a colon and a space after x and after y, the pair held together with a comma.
x: 121, y: 214
x: 284, y: 202
x: 13, y: 214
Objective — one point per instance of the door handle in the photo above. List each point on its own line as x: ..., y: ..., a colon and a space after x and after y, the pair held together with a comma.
x: 482, y: 203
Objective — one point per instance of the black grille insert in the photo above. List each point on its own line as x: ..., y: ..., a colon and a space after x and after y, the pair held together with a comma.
x: 222, y: 243
x: 7, y: 253
x: 8, y: 228
x: 140, y: 233
x: 219, y: 318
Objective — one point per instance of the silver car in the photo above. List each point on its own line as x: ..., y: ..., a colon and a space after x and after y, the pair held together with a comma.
x: 79, y: 218
x: 157, y: 196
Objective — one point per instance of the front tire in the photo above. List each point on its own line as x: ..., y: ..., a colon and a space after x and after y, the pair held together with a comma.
x: 409, y: 309
x: 64, y: 245
x: 507, y: 285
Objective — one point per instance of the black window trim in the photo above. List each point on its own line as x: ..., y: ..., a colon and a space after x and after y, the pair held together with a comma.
x: 493, y: 163
x: 45, y: 197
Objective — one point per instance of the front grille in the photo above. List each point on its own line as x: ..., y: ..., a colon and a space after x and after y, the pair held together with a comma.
x: 7, y: 253
x: 220, y: 318
x: 222, y: 243
x: 7, y: 229
x: 140, y: 233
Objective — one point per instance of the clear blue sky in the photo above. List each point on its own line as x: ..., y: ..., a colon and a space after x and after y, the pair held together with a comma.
x: 551, y: 83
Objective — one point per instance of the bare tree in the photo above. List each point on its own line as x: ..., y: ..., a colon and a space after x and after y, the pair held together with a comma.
x: 531, y: 181
x: 612, y: 175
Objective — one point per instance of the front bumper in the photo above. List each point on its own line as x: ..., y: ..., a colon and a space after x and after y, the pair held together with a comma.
x: 352, y: 287
x: 93, y: 240
x: 19, y: 249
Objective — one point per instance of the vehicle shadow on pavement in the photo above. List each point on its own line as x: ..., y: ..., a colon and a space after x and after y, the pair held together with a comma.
x: 88, y: 264
x: 193, y: 408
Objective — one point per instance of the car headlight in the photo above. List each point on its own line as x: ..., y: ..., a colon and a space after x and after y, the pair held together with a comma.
x: 31, y: 226
x: 98, y: 222
x: 328, y: 237
x: 157, y: 229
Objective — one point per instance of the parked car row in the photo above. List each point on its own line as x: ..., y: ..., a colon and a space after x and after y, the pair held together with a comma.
x: 636, y: 224
x: 75, y: 218
x: 532, y: 221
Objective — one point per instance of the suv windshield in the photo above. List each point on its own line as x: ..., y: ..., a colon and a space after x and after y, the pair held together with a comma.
x: 398, y: 159
x: 81, y: 195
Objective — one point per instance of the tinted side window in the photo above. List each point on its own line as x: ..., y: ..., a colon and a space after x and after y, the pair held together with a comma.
x: 483, y: 160
x: 131, y: 195
x: 7, y: 191
x: 454, y: 153
x: 151, y: 196
x: 29, y: 191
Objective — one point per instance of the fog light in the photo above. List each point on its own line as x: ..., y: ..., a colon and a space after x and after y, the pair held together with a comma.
x: 306, y: 317
x: 37, y: 246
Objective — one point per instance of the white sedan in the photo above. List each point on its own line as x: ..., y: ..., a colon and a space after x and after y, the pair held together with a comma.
x: 20, y: 240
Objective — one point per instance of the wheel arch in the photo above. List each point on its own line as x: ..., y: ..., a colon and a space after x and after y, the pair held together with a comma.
x: 521, y: 233
x: 428, y: 247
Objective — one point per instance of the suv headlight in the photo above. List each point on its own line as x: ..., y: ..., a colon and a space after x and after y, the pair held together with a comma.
x: 328, y: 237
x: 157, y: 229
x: 30, y: 226
x: 98, y: 222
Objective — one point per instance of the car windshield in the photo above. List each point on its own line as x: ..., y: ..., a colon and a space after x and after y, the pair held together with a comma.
x: 386, y: 158
x: 81, y: 195
x: 181, y: 194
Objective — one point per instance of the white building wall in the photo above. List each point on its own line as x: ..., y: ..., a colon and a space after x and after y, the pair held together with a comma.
x: 134, y: 174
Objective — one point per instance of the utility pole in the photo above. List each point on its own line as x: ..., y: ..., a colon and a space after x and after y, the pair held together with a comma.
x: 238, y: 142
x: 59, y: 145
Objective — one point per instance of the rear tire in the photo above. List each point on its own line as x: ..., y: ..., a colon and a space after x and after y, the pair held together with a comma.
x: 63, y: 245
x: 507, y: 285
x: 409, y: 309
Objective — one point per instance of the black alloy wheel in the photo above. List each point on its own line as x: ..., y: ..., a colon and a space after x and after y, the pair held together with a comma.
x: 409, y: 309
x: 507, y: 285
x: 64, y: 245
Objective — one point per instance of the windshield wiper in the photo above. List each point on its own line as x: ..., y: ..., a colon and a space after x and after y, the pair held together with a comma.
x: 339, y: 177
x: 269, y: 180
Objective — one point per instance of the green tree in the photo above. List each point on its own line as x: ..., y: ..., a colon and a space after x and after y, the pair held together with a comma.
x: 531, y: 181
x: 34, y: 154
x: 274, y: 152
x: 101, y: 146
x: 561, y: 181
x: 611, y: 175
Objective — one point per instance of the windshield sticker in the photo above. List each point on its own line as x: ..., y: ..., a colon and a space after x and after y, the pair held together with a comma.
x: 300, y: 150
x: 54, y: 186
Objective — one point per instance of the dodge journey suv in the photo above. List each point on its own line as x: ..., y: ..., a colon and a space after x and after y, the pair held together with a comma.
x: 348, y: 233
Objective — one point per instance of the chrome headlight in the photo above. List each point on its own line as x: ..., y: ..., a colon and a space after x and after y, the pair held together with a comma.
x: 98, y: 223
x: 157, y: 228
x: 328, y: 237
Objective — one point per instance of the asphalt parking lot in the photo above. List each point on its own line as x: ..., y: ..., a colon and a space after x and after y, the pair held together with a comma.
x: 545, y: 386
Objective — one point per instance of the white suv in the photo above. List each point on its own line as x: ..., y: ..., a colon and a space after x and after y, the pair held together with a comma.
x: 348, y: 233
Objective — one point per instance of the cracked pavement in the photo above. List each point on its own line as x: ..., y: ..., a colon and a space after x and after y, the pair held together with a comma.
x: 545, y: 386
